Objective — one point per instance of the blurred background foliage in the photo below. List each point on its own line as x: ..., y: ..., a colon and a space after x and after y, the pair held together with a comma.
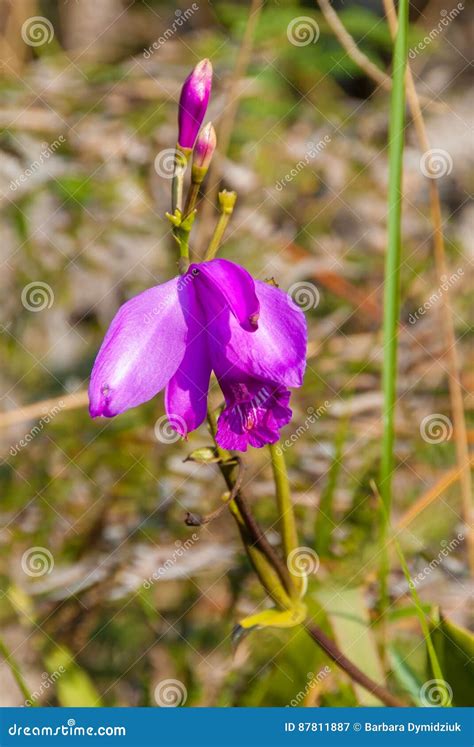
x: 107, y: 499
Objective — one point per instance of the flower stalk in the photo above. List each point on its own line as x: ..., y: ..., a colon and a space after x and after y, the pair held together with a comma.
x: 177, y: 185
x: 272, y: 573
x: 226, y: 202
x: 270, y: 577
x: 283, y: 495
x: 286, y: 514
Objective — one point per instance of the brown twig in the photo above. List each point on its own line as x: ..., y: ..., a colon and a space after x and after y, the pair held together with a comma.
x: 350, y: 45
x: 41, y: 408
x: 334, y: 653
x: 196, y: 520
x: 432, y: 494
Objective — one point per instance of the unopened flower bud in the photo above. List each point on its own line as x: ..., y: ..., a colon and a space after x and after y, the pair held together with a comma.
x: 193, y: 103
x: 227, y: 201
x: 203, y: 152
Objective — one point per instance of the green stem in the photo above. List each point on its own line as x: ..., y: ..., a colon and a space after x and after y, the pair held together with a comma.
x: 15, y: 670
x: 177, y: 186
x: 217, y: 236
x: 289, y: 534
x: 180, y: 232
x: 191, y: 198
x: 226, y: 203
x: 182, y: 237
x: 392, y: 286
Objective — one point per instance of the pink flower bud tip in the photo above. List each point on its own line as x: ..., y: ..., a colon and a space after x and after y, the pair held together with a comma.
x: 193, y: 103
x: 205, y: 147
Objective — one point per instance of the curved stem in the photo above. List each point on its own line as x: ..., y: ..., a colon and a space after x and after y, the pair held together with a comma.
x: 334, y: 653
x: 255, y: 534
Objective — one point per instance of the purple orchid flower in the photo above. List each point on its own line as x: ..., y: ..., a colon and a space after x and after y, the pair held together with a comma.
x: 193, y: 103
x: 217, y: 318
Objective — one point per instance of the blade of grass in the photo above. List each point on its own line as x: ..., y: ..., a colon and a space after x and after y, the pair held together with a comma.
x: 424, y: 624
x: 447, y: 315
x: 16, y: 672
x: 392, y: 287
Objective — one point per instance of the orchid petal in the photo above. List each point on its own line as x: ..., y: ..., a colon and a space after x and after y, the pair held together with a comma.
x: 186, y: 392
x: 234, y: 286
x: 276, y: 351
x: 141, y: 351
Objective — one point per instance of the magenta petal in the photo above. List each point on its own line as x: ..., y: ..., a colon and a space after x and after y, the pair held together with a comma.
x: 193, y: 103
x: 276, y: 351
x: 141, y: 351
x: 186, y: 393
x: 233, y: 285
